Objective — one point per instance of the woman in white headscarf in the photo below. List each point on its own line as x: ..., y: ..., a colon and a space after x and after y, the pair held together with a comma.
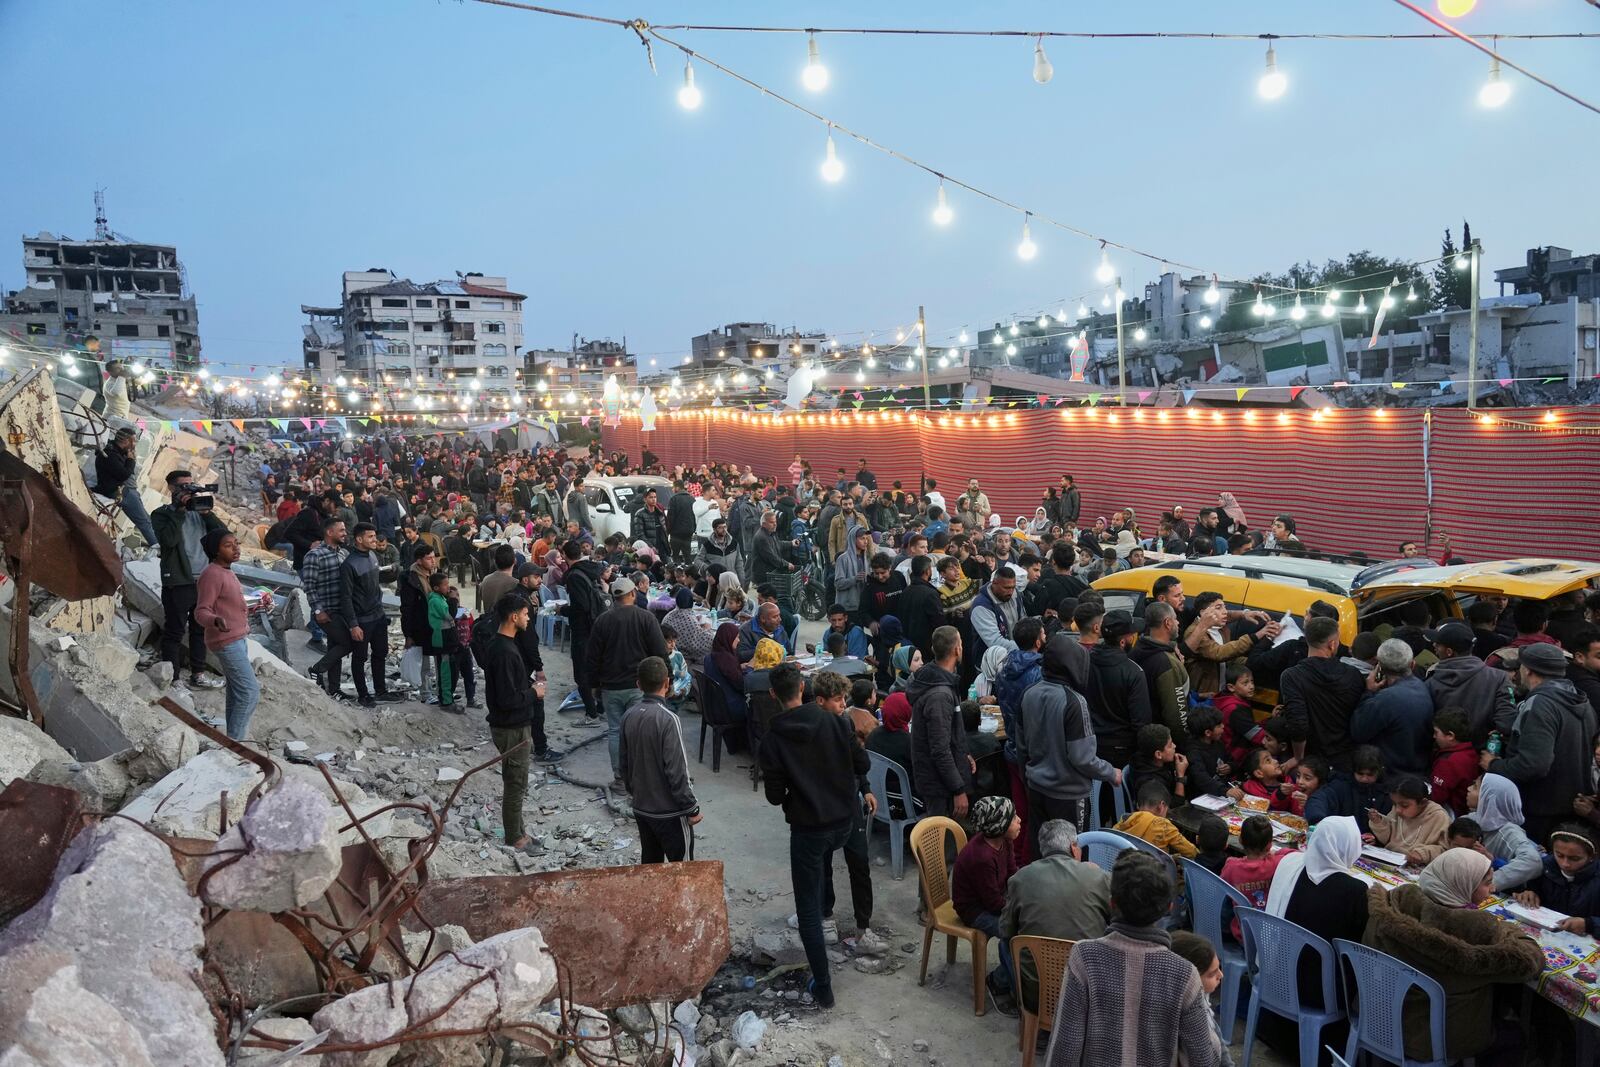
x: 1497, y: 808
x: 1315, y: 889
x: 1040, y: 525
x: 1231, y: 518
x: 994, y: 658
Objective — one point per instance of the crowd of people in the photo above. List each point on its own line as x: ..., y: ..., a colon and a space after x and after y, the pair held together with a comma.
x: 1468, y: 746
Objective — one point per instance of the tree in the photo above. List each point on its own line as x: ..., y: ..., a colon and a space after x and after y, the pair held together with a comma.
x: 1359, y: 275
x: 1452, y: 286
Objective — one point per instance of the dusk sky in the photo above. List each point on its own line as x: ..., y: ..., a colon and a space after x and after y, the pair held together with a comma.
x: 278, y: 145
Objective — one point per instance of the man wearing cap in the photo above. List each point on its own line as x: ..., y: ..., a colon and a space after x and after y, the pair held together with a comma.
x: 1548, y: 753
x: 1462, y: 680
x: 622, y: 637
x: 1118, y: 695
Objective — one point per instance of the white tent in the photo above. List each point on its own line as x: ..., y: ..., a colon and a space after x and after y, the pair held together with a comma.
x: 518, y: 434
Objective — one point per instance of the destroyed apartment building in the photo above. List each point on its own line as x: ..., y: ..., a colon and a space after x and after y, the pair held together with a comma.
x: 171, y: 896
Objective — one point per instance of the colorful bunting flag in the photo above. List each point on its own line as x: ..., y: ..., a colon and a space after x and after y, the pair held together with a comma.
x: 1188, y: 395
x: 306, y: 423
x: 1094, y: 398
x: 1295, y: 391
x: 141, y: 424
x: 1144, y: 394
x: 1238, y: 394
x: 1505, y: 382
x: 1446, y: 386
x: 205, y: 424
x: 238, y: 424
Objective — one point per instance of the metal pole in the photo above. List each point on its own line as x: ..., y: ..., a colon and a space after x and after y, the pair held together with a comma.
x: 1122, y: 367
x: 1476, y: 252
x: 922, y: 342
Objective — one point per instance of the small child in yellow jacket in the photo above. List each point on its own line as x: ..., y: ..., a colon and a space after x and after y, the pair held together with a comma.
x: 1150, y: 822
x: 1416, y: 826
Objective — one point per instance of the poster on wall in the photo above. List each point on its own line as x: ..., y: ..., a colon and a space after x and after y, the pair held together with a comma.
x: 148, y: 351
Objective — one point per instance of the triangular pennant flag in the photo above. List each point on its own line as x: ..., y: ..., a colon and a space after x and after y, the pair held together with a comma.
x: 238, y: 424
x: 1188, y: 395
x: 172, y: 424
x: 1094, y: 398
x: 377, y: 418
x: 141, y: 424
x: 1446, y: 385
x: 944, y: 400
x: 282, y: 424
x: 322, y: 424
x: 584, y: 420
x: 1238, y: 394
x: 1295, y: 391
x: 855, y: 403
x: 306, y: 423
x: 1042, y: 399
x: 1341, y: 385
x: 1398, y: 385
x: 1504, y: 382
x: 205, y: 424
x: 1547, y: 381
x: 1144, y: 394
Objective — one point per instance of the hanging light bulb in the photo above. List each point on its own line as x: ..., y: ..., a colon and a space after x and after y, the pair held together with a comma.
x: 1328, y: 309
x: 1205, y: 322
x: 1044, y: 320
x: 815, y: 75
x: 1212, y: 295
x: 963, y: 337
x: 1273, y: 82
x: 1139, y: 333
x: 1013, y: 329
x: 1061, y: 315
x: 1361, y: 305
x: 1454, y: 9
x: 1011, y: 350
x: 689, y: 95
x: 1464, y: 261
x: 1386, y: 302
x: 1026, y: 249
x: 1411, y: 293
x: 1042, y: 70
x: 1105, y: 301
x: 341, y: 381
x: 1083, y: 310
x: 1496, y: 91
x: 570, y: 397
x: 872, y: 361
x: 1298, y: 312
x: 941, y: 211
x: 1260, y: 307
x: 1104, y: 272
x: 832, y: 169
x: 899, y: 335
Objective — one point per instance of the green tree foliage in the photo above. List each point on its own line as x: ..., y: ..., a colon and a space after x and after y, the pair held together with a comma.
x: 1452, y: 287
x: 1357, y: 274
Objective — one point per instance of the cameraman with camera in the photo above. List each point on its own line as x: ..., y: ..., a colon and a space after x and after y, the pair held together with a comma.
x: 181, y: 527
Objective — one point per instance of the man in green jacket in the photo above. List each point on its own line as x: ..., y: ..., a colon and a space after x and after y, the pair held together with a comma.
x: 1156, y: 654
x: 180, y: 529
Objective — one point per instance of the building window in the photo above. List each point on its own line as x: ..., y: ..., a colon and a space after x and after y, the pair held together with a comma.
x: 462, y: 350
x: 423, y: 302
x: 127, y: 331
x: 393, y: 303
x: 493, y: 305
x: 463, y: 305
x: 493, y: 350
x: 494, y: 327
x: 163, y: 331
x: 425, y: 327
x: 399, y: 348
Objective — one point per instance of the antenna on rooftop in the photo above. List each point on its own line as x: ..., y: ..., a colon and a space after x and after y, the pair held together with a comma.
x: 102, y: 231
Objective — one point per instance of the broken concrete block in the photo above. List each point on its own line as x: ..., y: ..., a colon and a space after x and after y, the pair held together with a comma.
x: 120, y: 912
x: 446, y: 938
x: 107, y: 656
x: 133, y: 627
x: 65, y: 1025
x: 283, y: 1029
x: 510, y: 975
x: 141, y: 586
x: 93, y: 716
x: 103, y: 783
x: 23, y: 746
x: 160, y: 673
x: 448, y: 774
x: 292, y: 852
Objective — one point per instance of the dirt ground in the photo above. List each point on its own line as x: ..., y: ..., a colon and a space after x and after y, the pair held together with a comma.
x: 881, y: 1017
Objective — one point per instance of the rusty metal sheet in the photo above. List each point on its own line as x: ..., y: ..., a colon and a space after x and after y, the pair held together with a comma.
x: 625, y: 934
x: 37, y: 822
x: 72, y: 557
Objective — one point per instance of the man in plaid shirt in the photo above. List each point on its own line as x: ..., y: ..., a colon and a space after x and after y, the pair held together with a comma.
x: 319, y: 574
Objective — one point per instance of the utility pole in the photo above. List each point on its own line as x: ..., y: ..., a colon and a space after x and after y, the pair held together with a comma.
x: 922, y: 343
x: 1122, y: 366
x: 1476, y: 254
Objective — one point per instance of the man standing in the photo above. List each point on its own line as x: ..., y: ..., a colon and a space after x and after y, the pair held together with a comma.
x: 577, y: 504
x: 812, y: 766
x: 1156, y: 654
x: 921, y: 612
x: 681, y: 524
x: 414, y: 624
x: 850, y: 572
x: 219, y: 607
x: 770, y: 563
x: 864, y: 477
x: 1118, y: 695
x: 501, y: 582
x: 1549, y: 753
x: 655, y: 767
x: 649, y: 524
x: 1396, y: 713
x: 512, y: 697
x: 360, y: 614
x: 320, y: 576
x: 1319, y: 696
x: 179, y: 530
x: 941, y: 765
x: 622, y: 637
x: 114, y: 467
x: 994, y: 612
x: 584, y: 582
x: 1070, y: 500
x: 1055, y: 745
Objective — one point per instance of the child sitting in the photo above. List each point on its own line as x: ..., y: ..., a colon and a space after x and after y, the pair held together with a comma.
x: 1150, y: 822
x: 1212, y: 837
x: 1570, y: 881
x: 1198, y: 951
x: 863, y: 699
x: 1497, y: 811
x: 1241, y: 731
x: 1366, y: 765
x: 1252, y: 874
x: 1156, y: 759
x: 978, y: 884
x: 1455, y: 765
x: 1319, y: 794
x: 1263, y: 777
x: 1466, y: 833
x: 1415, y: 826
x: 682, y: 682
x: 1209, y: 769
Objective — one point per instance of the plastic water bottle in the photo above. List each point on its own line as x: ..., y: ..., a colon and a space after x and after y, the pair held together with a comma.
x: 1496, y: 744
x: 749, y: 981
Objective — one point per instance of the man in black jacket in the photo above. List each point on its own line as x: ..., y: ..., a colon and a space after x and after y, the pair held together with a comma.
x: 113, y: 475
x: 812, y: 766
x: 649, y: 524
x: 680, y: 524
x: 1118, y: 694
x: 359, y: 616
x: 511, y: 696
x: 1059, y: 582
x: 921, y: 612
x: 305, y: 529
x: 414, y: 625
x: 1320, y: 694
x: 770, y: 560
x: 656, y: 768
x: 941, y: 765
x: 584, y: 581
x: 622, y: 637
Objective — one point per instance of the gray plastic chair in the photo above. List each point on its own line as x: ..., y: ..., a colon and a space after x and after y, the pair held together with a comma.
x: 1209, y: 897
x: 1272, y: 947
x: 1121, y: 795
x: 1376, y: 988
x: 878, y: 779
x: 1100, y: 847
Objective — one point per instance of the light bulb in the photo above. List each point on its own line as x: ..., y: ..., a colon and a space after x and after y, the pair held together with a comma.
x: 1042, y: 70
x: 354, y: 398
x: 1273, y: 83
x: 920, y: 351
x: 1139, y: 333
x: 1411, y: 293
x: 542, y: 385
x: 815, y: 76
x: 941, y: 211
x: 899, y: 335
x: 1011, y: 350
x: 1260, y: 308
x: 1496, y: 91
x: 1361, y: 305
x: 1104, y: 272
x: 769, y: 374
x: 1212, y: 295
x: 1205, y: 322
x: 1328, y: 309
x: 1083, y: 309
x: 1387, y: 302
x: 1105, y: 301
x: 570, y: 397
x: 1044, y: 320
x: 860, y: 377
x: 204, y: 374
x: 1297, y: 312
x: 1464, y: 261
x: 832, y: 169
x: 1013, y: 329
x: 1454, y: 9
x: 689, y: 95
x: 963, y: 337
x: 1061, y: 315
x: 1026, y: 249
x: 872, y: 361
x: 341, y: 381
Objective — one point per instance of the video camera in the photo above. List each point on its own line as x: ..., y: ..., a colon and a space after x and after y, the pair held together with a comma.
x: 196, y: 497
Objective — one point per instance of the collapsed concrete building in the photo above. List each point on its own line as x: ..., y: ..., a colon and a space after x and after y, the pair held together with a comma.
x: 173, y: 896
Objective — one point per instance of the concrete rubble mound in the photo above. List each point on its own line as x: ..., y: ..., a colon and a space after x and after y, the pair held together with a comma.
x: 289, y: 843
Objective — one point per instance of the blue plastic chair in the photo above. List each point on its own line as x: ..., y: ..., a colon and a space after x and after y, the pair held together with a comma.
x: 878, y: 779
x: 1120, y: 795
x: 1376, y: 988
x: 1167, y: 861
x: 1209, y: 897
x: 1100, y: 847
x: 1272, y: 948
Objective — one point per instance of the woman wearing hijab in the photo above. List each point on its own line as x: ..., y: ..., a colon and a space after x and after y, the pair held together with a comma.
x: 1230, y: 517
x: 884, y: 644
x: 1436, y: 927
x: 907, y: 661
x: 758, y: 687
x: 1040, y: 525
x: 721, y: 667
x: 892, y: 741
x: 994, y: 658
x: 1497, y: 807
x: 727, y: 582
x: 1315, y: 889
